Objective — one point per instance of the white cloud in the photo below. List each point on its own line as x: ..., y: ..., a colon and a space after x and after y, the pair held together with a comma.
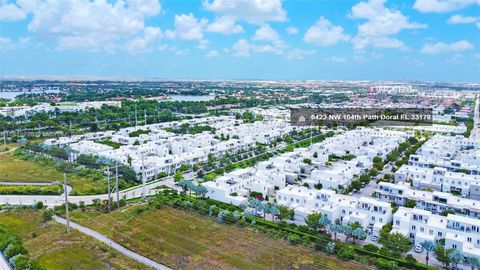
x: 455, y: 59
x: 382, y: 23
x: 414, y: 61
x: 11, y: 12
x: 292, y: 30
x: 440, y: 47
x: 212, y: 54
x: 243, y: 48
x: 203, y: 44
x: 6, y: 44
x: 336, y: 59
x: 299, y: 54
x: 251, y: 11
x: 91, y: 25
x: 266, y: 33
x: 324, y: 33
x: 187, y: 27
x: 225, y: 25
x: 460, y: 19
x: 145, y: 43
x: 442, y: 6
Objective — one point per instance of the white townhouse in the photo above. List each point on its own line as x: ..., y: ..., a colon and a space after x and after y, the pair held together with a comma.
x: 460, y: 232
x: 370, y: 213
x: 440, y: 179
x: 467, y: 163
x: 232, y: 188
x: 435, y: 202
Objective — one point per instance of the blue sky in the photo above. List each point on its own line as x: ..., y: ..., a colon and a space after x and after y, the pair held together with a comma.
x: 436, y: 40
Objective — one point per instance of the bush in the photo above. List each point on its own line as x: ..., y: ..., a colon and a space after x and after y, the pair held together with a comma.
x: 371, y: 247
x: 346, y: 253
x: 39, y: 205
x: 384, y: 264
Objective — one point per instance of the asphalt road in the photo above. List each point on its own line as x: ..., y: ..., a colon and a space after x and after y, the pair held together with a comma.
x: 53, y: 200
x: 102, y: 238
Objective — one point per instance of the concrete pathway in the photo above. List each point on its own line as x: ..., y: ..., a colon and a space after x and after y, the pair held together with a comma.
x: 102, y: 238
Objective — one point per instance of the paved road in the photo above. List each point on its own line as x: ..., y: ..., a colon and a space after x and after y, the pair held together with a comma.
x: 54, y: 200
x: 113, y: 244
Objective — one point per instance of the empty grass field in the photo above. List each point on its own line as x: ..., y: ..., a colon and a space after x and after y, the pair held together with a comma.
x: 13, y: 169
x: 184, y: 240
x: 52, y: 248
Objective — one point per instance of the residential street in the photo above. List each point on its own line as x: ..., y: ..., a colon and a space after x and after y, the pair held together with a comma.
x: 135, y: 192
x: 113, y: 244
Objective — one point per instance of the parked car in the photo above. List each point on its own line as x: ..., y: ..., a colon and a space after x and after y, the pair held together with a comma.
x: 375, y: 238
x: 418, y: 248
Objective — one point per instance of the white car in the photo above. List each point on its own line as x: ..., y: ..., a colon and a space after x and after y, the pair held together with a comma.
x: 418, y: 248
x: 375, y: 238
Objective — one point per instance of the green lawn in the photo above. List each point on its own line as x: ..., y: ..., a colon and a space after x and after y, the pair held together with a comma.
x: 13, y: 169
x: 52, y: 248
x: 185, y: 240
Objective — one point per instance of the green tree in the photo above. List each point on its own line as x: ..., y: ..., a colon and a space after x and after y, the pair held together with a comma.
x: 396, y: 242
x: 285, y: 212
x: 443, y: 254
x: 313, y: 221
x: 410, y: 203
x: 178, y: 176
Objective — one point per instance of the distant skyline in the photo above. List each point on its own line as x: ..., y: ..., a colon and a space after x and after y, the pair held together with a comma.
x: 430, y: 40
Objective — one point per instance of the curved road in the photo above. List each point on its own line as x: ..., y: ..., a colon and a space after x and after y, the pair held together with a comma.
x: 102, y: 238
x: 54, y: 200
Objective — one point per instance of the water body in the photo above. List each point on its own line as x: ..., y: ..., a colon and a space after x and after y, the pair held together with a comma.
x: 12, y: 95
x: 191, y: 98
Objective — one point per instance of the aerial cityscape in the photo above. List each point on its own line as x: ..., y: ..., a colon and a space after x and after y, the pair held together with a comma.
x: 239, y: 134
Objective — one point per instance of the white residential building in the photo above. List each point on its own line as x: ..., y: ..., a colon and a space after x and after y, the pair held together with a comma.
x: 435, y: 202
x: 370, y: 213
x: 460, y: 232
x: 440, y: 179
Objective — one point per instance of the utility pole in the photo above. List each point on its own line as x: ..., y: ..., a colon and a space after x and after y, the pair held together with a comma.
x: 143, y: 179
x: 5, y: 139
x: 108, y: 187
x: 116, y: 185
x: 66, y: 202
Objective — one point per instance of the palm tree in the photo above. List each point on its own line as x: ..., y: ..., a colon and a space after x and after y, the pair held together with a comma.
x: 456, y: 258
x: 428, y: 246
x: 473, y: 262
x: 335, y: 228
x: 185, y: 184
x: 324, y: 221
x: 274, y: 211
x: 358, y: 233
